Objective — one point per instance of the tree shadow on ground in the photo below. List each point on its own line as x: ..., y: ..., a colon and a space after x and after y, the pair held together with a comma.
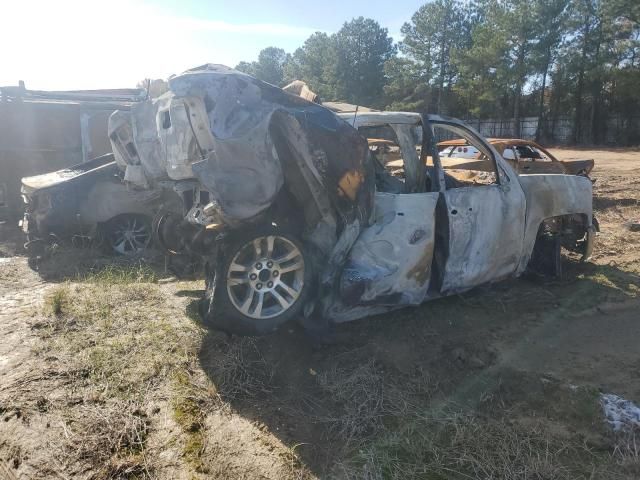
x: 603, y: 203
x: 389, y: 368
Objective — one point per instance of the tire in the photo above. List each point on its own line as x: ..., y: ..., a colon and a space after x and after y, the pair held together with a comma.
x: 128, y: 234
x: 262, y: 280
x: 546, y: 259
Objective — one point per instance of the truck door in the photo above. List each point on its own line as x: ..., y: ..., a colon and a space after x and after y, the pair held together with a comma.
x: 390, y: 262
x: 484, y: 212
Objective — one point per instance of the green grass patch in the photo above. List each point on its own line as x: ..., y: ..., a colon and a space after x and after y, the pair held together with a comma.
x: 189, y: 412
x: 57, y: 300
x: 121, y: 275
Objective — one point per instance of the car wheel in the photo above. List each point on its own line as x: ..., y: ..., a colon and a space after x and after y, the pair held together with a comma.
x: 546, y: 259
x: 264, y: 281
x: 129, y: 234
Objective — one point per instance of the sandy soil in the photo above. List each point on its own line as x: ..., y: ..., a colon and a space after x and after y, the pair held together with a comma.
x: 293, y: 412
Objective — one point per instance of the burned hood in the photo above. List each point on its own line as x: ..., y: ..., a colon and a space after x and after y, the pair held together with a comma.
x: 242, y: 140
x: 99, y: 167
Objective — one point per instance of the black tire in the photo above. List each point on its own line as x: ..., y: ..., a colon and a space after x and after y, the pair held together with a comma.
x: 546, y: 259
x: 219, y: 309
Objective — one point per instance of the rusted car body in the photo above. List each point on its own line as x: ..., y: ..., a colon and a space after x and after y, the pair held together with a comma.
x: 295, y: 216
x: 525, y: 156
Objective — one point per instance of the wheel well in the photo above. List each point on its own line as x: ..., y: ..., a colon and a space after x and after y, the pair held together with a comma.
x: 571, y: 229
x: 287, y: 212
x: 561, y: 223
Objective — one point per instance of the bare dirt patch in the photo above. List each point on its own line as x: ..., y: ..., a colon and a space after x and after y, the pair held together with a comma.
x: 105, y: 372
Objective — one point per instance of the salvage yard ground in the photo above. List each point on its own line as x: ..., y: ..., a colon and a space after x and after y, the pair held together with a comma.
x: 106, y: 372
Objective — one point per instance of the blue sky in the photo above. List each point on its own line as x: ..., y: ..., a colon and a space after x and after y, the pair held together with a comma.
x: 71, y: 44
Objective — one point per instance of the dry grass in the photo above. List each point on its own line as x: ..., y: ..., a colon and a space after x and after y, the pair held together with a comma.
x: 626, y: 451
x: 108, y: 436
x: 464, y: 447
x: 116, y: 328
x: 137, y: 272
x: 364, y: 400
x: 522, y: 433
x: 239, y: 369
x: 117, y: 337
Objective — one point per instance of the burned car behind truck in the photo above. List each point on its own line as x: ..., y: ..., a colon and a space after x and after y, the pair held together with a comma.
x: 86, y: 203
x: 524, y: 156
x: 294, y: 215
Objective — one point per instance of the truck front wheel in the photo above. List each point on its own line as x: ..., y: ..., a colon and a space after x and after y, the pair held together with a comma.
x: 546, y: 259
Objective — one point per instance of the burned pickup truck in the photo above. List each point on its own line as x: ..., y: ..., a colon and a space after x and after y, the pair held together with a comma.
x: 295, y: 216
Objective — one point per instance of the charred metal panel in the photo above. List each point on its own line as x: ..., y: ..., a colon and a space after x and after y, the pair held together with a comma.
x: 415, y: 173
x: 83, y: 196
x: 177, y: 137
x: 105, y: 200
x: 146, y: 145
x: 371, y: 119
x: 304, y: 181
x: 390, y: 263
x: 485, y: 222
x: 485, y: 235
x: 219, y: 125
x: 552, y: 196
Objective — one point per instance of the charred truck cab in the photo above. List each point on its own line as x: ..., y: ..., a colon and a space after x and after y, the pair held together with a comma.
x: 301, y: 213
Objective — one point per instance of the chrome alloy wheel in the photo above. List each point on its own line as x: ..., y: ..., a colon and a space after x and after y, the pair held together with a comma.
x: 265, y: 277
x: 129, y: 235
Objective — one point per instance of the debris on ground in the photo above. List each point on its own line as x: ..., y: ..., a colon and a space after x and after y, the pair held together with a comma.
x: 635, y: 226
x: 621, y: 414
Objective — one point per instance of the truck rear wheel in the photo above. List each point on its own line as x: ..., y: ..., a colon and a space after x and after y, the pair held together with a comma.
x: 262, y: 282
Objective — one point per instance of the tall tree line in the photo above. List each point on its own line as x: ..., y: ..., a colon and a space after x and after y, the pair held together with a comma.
x: 483, y: 59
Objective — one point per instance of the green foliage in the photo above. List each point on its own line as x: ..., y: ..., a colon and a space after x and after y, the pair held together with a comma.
x: 436, y: 32
x: 346, y: 66
x: 406, y: 88
x: 485, y: 58
x: 315, y: 63
x: 362, y: 48
x: 270, y: 66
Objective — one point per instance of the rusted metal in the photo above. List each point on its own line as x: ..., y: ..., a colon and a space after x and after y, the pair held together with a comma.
x: 527, y: 156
